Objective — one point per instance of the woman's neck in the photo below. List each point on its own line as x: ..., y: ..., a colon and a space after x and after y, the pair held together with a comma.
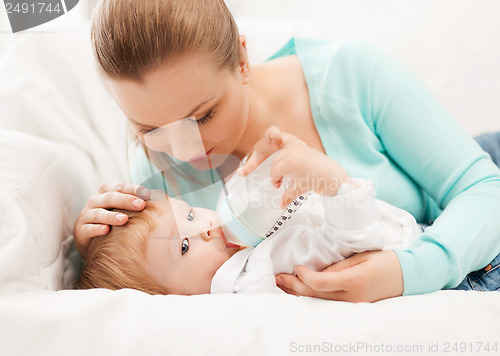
x: 278, y: 96
x: 269, y: 102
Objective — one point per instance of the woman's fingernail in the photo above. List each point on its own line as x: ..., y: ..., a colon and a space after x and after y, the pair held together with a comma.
x: 120, y: 217
x: 279, y: 281
x: 143, y: 192
x: 239, y: 171
x: 103, y: 228
x: 136, y: 203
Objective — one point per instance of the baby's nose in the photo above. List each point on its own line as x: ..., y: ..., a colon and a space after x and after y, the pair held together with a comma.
x: 207, y: 235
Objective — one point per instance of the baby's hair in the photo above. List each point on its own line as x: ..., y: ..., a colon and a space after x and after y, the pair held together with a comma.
x: 133, y: 37
x: 114, y: 260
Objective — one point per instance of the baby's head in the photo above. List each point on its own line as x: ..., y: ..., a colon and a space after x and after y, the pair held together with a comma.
x: 168, y: 248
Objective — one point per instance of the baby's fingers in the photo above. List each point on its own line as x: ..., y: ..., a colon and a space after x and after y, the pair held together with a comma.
x: 289, y: 195
x: 265, y: 147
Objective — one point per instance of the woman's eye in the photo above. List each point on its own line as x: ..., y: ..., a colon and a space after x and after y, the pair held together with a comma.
x: 203, y: 120
x: 184, y: 246
x: 190, y: 216
x: 144, y: 132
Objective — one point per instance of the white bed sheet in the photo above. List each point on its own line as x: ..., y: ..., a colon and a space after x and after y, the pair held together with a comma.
x: 59, y: 125
x: 127, y: 322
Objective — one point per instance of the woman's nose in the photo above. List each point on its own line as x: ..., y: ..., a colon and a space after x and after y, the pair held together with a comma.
x: 185, y: 152
x: 186, y: 143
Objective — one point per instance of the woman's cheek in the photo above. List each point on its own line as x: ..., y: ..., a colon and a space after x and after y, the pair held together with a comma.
x: 224, y: 131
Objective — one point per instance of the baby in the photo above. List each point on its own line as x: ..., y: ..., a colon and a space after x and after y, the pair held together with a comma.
x: 173, y: 248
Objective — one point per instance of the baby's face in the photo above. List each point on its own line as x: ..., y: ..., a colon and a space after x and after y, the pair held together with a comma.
x: 186, y: 248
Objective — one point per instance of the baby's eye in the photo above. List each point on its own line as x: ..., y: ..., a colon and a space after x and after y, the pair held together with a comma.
x: 185, y: 246
x: 190, y: 216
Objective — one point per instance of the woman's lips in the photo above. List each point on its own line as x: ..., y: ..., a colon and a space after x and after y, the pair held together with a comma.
x: 201, y: 157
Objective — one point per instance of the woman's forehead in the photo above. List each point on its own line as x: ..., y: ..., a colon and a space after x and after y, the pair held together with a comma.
x: 169, y: 93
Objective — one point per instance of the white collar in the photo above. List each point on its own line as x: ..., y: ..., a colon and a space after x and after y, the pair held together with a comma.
x: 227, y: 274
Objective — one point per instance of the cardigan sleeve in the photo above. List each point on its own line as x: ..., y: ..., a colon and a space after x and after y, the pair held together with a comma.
x: 420, y: 136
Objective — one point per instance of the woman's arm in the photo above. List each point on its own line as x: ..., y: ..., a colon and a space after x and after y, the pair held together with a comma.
x: 419, y: 135
x: 429, y: 145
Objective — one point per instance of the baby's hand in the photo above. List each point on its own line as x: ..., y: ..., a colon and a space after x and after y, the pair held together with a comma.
x: 307, y: 168
x: 273, y: 140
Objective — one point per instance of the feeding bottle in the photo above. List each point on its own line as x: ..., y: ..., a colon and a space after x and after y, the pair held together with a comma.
x: 251, y: 206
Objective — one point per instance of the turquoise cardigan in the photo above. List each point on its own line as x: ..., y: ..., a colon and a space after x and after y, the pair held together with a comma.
x: 380, y: 123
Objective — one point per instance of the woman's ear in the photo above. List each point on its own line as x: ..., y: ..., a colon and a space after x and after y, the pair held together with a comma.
x: 244, y: 66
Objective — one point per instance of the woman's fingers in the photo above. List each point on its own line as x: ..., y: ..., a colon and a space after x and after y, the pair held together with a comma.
x: 93, y: 230
x: 364, y: 277
x: 292, y: 285
x: 103, y: 216
x: 126, y: 188
x: 348, y: 262
x: 95, y: 219
x: 83, y: 234
x: 325, y: 281
x: 95, y: 222
x: 116, y: 200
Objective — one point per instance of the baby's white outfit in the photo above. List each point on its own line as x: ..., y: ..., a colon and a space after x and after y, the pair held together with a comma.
x: 324, y: 230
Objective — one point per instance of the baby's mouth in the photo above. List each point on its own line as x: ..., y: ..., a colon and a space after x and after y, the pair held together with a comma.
x: 227, y: 243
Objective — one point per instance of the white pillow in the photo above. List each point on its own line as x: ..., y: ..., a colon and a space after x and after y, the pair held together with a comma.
x: 49, y: 87
x: 42, y: 187
x: 61, y: 136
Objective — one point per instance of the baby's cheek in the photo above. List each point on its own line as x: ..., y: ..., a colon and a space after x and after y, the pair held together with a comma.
x: 220, y: 261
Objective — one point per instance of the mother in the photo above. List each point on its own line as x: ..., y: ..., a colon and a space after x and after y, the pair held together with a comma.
x: 167, y: 60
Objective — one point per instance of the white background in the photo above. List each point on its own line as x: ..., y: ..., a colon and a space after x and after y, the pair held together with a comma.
x: 452, y: 45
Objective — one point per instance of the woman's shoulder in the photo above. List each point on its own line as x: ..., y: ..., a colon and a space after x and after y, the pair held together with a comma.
x: 350, y: 55
x: 325, y: 48
x: 352, y: 59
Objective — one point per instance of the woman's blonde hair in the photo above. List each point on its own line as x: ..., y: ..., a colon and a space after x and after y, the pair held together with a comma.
x: 133, y: 37
x: 114, y: 261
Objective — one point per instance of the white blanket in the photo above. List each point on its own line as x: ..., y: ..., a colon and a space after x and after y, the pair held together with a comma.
x: 61, y: 135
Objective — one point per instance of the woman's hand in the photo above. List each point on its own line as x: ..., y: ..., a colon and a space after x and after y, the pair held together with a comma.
x: 363, y: 277
x: 95, y: 219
